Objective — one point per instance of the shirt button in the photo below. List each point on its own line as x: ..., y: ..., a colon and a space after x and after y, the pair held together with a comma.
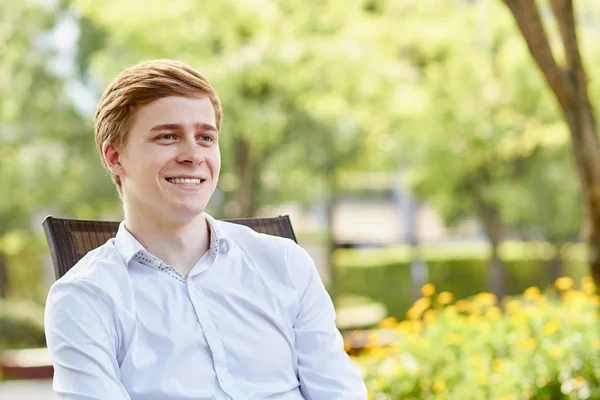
x: 224, y: 247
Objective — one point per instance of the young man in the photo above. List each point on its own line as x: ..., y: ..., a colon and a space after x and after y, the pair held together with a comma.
x: 179, y: 305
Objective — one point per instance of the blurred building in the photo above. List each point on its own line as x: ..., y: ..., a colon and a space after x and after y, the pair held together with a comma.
x: 376, y: 211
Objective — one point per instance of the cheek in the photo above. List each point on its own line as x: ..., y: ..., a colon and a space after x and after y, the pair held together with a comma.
x: 216, y: 160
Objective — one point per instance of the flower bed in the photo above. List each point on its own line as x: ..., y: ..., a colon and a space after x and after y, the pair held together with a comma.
x: 536, y: 346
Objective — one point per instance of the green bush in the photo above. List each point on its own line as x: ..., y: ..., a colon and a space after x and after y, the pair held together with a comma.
x: 384, y: 274
x: 21, y: 324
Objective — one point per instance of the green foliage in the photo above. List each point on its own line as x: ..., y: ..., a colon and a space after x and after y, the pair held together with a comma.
x: 21, y: 324
x: 47, y: 154
x: 536, y: 346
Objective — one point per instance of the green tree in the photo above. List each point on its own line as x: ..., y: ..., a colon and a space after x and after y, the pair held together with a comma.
x: 565, y: 75
x: 45, y: 163
x: 485, y: 119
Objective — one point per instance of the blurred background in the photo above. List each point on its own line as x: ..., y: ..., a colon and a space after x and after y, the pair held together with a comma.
x: 416, y: 145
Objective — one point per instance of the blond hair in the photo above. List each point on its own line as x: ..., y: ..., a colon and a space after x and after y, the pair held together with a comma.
x: 142, y: 84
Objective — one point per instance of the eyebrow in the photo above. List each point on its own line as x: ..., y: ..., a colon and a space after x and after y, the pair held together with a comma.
x: 176, y: 127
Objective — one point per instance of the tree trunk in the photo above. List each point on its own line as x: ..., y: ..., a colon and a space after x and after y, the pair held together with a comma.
x: 569, y: 86
x: 3, y: 276
x: 494, y: 229
x: 496, y: 273
x: 248, y: 181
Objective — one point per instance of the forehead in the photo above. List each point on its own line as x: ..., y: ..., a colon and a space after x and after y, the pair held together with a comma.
x: 175, y: 110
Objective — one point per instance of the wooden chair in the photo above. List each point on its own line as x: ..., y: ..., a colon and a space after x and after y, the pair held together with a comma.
x: 70, y: 239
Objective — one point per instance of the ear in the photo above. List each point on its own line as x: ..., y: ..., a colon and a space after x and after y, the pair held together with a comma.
x: 112, y: 159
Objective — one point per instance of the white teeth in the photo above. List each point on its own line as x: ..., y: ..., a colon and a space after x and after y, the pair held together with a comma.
x: 185, y: 181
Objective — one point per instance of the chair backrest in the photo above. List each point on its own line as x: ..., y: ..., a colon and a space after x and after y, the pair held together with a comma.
x: 70, y: 239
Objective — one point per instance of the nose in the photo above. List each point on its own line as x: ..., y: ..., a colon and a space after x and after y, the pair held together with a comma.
x: 190, y: 152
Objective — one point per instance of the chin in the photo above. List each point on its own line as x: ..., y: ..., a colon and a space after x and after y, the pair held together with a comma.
x: 187, y: 214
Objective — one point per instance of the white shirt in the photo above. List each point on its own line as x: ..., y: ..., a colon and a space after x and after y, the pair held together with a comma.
x: 251, y: 321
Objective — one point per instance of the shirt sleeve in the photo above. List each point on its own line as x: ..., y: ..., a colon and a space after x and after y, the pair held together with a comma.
x: 82, y: 341
x: 324, y: 368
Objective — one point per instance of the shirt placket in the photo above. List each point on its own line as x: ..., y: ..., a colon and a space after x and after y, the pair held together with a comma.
x: 214, y: 341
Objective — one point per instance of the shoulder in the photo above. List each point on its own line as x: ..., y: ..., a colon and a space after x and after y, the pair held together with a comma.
x: 282, y: 254
x: 101, y: 274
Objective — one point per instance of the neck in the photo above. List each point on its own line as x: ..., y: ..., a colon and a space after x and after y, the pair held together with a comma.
x: 178, y: 244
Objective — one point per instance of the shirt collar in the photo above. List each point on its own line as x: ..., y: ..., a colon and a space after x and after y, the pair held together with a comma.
x: 128, y: 246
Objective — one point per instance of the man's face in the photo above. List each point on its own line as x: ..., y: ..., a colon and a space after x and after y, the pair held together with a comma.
x: 170, y: 165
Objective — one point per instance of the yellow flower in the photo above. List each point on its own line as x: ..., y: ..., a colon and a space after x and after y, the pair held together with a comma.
x: 497, y: 364
x: 388, y: 323
x: 596, y: 344
x: 417, y: 326
x: 486, y: 299
x: 419, y: 308
x: 472, y: 319
x: 564, y: 283
x: 579, y: 382
x: 526, y: 344
x: 428, y: 289
x: 429, y: 316
x: 513, y: 306
x: 439, y: 385
x: 425, y: 383
x: 493, y: 313
x: 550, y: 327
x: 506, y: 397
x: 378, y: 383
x: 453, y: 338
x: 587, y: 279
x: 541, y: 300
x: 482, y: 379
x: 347, y: 345
x: 450, y: 311
x: 403, y: 327
x: 462, y: 305
x: 588, y: 286
x: 531, y: 293
x: 518, y: 320
x: 556, y: 351
x: 445, y: 298
x: 480, y: 368
x: 372, y: 339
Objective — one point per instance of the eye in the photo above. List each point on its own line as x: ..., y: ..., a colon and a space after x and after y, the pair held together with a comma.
x: 165, y: 138
x: 206, y: 138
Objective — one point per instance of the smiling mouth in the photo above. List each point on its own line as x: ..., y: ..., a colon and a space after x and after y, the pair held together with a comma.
x: 186, y: 181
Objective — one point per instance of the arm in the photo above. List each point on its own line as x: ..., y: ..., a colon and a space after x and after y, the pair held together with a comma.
x: 82, y: 341
x: 324, y: 368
